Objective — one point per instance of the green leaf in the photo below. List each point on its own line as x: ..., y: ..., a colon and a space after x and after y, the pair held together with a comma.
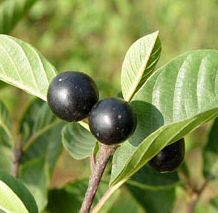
x: 23, y: 66
x: 6, y: 140
x: 210, y: 153
x: 78, y: 141
x: 73, y: 195
x: 154, y: 201
x: 14, y: 196
x: 175, y: 100
x: 139, y: 63
x: 148, y: 178
x: 11, y: 11
x: 34, y: 174
x: 41, y: 134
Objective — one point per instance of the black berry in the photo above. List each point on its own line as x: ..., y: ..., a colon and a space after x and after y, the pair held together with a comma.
x: 169, y: 159
x: 112, y: 121
x: 71, y: 95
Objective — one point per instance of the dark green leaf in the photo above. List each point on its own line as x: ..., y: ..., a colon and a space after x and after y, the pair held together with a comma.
x: 210, y: 153
x: 34, y: 174
x: 14, y: 196
x: 73, y: 195
x: 148, y: 178
x: 41, y: 136
x: 154, y: 201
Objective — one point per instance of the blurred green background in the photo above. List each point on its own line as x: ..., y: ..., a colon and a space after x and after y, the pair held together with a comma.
x: 94, y: 35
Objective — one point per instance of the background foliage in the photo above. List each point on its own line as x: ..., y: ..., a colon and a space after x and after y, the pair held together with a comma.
x: 93, y: 36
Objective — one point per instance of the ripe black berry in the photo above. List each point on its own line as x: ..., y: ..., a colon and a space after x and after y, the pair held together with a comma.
x: 169, y: 159
x: 71, y: 95
x: 112, y: 120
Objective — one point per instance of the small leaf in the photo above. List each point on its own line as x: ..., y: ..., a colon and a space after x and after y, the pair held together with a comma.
x: 210, y: 153
x: 6, y: 140
x: 14, y: 196
x: 78, y: 141
x: 23, y: 66
x: 175, y: 100
x: 34, y: 174
x: 11, y: 11
x: 148, y: 178
x: 139, y: 63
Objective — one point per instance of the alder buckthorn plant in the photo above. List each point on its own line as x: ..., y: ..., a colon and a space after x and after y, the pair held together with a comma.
x: 135, y: 145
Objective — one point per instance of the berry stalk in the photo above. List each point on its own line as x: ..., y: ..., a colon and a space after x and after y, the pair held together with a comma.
x: 105, y: 152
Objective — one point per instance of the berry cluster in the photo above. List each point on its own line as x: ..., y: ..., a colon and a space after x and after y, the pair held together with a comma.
x: 73, y: 96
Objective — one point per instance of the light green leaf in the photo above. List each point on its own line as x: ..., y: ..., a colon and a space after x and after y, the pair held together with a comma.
x: 78, y: 141
x: 6, y: 140
x: 14, y: 196
x: 210, y: 153
x: 23, y: 66
x: 148, y: 178
x: 11, y: 11
x: 139, y: 63
x: 175, y: 100
x: 34, y: 174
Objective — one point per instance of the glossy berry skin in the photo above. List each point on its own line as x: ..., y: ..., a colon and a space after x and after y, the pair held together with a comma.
x: 71, y: 95
x: 112, y: 121
x: 169, y: 159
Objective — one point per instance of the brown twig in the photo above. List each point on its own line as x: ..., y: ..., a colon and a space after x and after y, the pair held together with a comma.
x: 196, y: 197
x: 17, y: 155
x: 106, y: 196
x: 105, y: 152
